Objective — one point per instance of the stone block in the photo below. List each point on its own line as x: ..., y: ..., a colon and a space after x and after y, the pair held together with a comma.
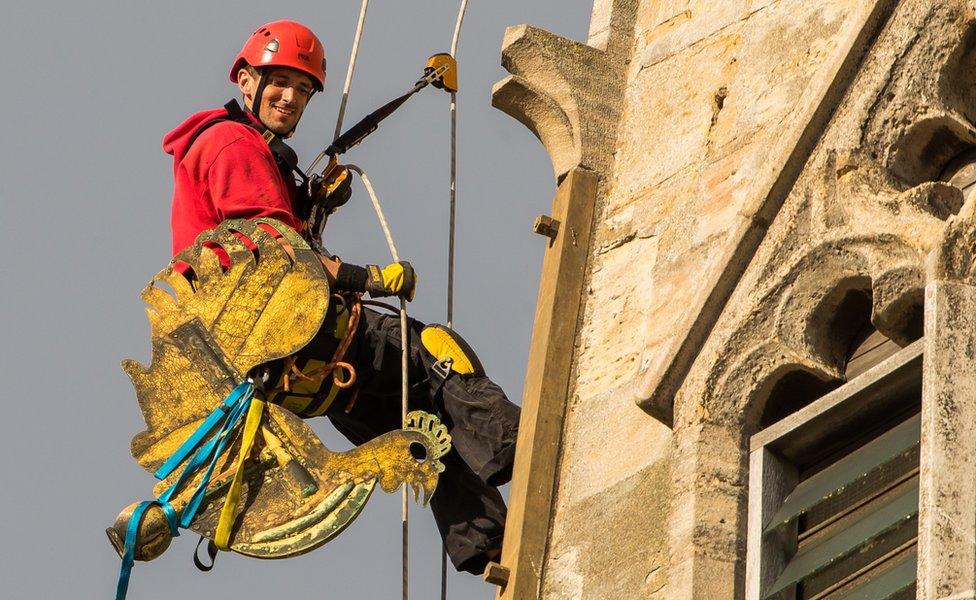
x: 610, y: 441
x: 613, y: 545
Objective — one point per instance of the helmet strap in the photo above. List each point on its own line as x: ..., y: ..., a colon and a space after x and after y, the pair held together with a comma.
x: 255, y: 108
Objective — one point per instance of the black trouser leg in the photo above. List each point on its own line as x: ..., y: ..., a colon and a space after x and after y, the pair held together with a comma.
x: 485, y: 425
x: 470, y: 516
x: 469, y: 512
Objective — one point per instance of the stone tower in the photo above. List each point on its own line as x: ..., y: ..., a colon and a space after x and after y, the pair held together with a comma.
x: 753, y: 368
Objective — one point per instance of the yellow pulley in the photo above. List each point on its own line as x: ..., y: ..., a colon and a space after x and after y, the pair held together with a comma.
x: 446, y: 65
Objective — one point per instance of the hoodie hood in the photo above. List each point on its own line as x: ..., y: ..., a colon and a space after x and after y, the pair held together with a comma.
x: 177, y: 142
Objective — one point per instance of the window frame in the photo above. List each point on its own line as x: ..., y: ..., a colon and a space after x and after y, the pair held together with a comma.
x: 773, y: 474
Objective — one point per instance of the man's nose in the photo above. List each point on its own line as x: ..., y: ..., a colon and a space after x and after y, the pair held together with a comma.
x: 288, y: 94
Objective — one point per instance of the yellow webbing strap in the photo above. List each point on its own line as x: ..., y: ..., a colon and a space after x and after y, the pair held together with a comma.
x: 229, y: 511
x: 305, y: 394
x: 333, y: 392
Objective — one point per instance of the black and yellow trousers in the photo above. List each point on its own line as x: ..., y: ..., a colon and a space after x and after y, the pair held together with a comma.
x: 483, y: 423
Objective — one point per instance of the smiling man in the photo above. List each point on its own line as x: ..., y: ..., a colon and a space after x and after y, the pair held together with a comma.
x: 283, y: 100
x: 233, y: 163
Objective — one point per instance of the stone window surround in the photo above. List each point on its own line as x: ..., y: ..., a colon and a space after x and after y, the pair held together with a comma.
x: 950, y: 380
x: 947, y: 470
x: 771, y: 478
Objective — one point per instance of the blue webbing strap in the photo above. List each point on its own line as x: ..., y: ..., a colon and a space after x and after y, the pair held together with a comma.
x: 128, y: 557
x: 191, y: 442
x: 212, y: 451
x: 238, y: 402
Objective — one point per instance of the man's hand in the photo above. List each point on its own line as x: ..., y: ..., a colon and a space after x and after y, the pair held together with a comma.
x: 333, y: 189
x: 396, y: 279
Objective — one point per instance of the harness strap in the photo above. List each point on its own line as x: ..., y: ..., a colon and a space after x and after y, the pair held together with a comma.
x: 341, y: 373
x: 129, y: 556
x: 202, y: 431
x: 239, y: 400
x: 229, y: 510
x: 285, y: 156
x: 211, y: 552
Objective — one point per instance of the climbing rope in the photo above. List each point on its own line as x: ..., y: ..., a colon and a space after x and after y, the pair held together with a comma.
x: 451, y: 230
x: 404, y: 340
x: 404, y: 331
x: 347, y: 85
x: 354, y: 54
x: 451, y: 227
x: 404, y: 356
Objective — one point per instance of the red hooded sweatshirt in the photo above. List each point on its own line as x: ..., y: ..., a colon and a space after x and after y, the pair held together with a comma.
x: 227, y: 173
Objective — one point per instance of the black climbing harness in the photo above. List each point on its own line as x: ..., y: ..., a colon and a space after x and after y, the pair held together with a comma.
x: 285, y: 157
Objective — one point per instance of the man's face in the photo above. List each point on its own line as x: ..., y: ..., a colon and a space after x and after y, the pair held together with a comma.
x: 286, y: 93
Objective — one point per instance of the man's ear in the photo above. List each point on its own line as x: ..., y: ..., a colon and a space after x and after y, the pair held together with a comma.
x: 247, y: 83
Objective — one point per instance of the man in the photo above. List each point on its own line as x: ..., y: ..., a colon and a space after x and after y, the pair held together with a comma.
x: 232, y: 163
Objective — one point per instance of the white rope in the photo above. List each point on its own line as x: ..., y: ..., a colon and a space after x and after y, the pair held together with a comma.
x: 453, y: 212
x: 453, y: 206
x: 457, y: 27
x: 404, y: 333
x: 350, y: 71
x: 379, y: 210
x: 353, y: 55
x: 404, y: 383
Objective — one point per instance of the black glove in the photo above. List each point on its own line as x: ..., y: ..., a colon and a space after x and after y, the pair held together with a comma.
x: 333, y: 190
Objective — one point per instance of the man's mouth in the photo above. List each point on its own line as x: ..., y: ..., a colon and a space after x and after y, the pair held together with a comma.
x: 285, y: 112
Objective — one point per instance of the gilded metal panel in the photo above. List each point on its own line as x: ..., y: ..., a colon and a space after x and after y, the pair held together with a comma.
x: 206, y: 337
x: 210, y: 333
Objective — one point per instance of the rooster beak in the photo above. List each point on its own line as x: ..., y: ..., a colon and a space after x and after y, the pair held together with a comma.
x: 419, y: 487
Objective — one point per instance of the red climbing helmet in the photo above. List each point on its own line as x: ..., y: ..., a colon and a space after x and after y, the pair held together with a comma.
x: 283, y: 44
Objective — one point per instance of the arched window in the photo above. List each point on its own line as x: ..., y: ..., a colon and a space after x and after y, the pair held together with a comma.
x: 833, y: 489
x: 961, y: 172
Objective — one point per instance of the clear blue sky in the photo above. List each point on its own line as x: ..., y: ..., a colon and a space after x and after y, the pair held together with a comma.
x: 89, y: 90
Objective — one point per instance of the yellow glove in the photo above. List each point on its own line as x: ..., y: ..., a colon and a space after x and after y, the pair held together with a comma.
x: 395, y: 279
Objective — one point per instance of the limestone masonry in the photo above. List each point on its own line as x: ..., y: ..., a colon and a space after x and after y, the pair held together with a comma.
x: 778, y: 239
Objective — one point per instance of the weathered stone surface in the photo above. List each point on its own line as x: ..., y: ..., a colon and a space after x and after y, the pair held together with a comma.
x: 849, y: 223
x: 600, y: 453
x: 613, y: 545
x: 715, y: 105
x: 947, y: 499
x: 762, y: 162
x: 568, y: 93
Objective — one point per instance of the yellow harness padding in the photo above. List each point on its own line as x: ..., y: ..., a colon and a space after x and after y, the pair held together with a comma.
x: 229, y: 511
x: 443, y: 343
x: 304, y: 392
